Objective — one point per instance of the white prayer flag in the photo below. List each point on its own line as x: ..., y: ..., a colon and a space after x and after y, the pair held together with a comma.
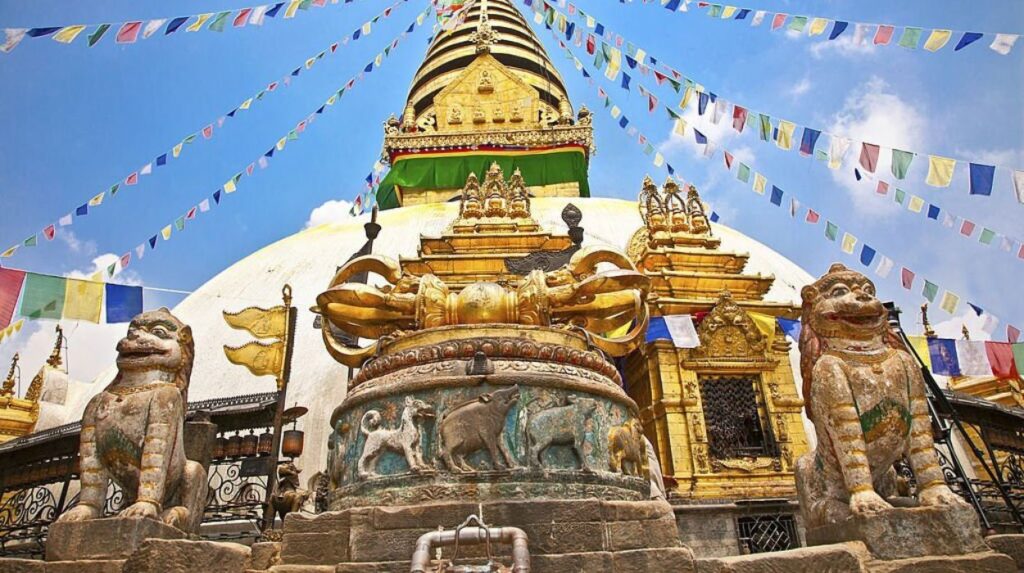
x: 1003, y: 43
x: 884, y: 267
x: 837, y: 151
x: 684, y: 334
x: 204, y: 206
x: 758, y: 18
x: 1018, y: 185
x: 973, y: 358
x: 256, y: 17
x: 65, y: 220
x: 12, y: 37
x: 152, y: 26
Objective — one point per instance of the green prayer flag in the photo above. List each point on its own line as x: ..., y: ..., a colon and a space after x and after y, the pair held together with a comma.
x: 1018, y: 353
x: 218, y: 23
x: 675, y: 84
x: 986, y: 236
x: 930, y: 290
x: 831, y: 230
x: 189, y: 139
x: 114, y: 188
x: 179, y: 223
x: 797, y: 23
x: 260, y: 95
x: 649, y: 149
x: 305, y: 4
x: 96, y: 35
x: 111, y: 269
x: 901, y: 163
x: 672, y: 113
x: 237, y: 177
x: 598, y: 59
x: 31, y: 241
x: 743, y: 173
x: 899, y: 195
x: 43, y: 296
x: 821, y: 155
x: 292, y: 136
x: 715, y: 11
x: 910, y: 38
x: 766, y: 127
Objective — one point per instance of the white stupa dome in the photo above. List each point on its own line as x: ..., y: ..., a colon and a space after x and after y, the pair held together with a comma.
x: 308, y: 260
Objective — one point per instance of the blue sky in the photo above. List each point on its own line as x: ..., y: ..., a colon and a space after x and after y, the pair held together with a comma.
x: 78, y: 119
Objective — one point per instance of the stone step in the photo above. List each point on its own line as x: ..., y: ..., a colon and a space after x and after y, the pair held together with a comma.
x: 984, y: 562
x: 836, y: 558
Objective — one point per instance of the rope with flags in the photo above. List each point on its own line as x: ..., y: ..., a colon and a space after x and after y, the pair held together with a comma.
x: 162, y: 160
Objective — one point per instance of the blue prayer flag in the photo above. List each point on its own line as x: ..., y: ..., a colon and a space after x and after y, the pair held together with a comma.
x: 977, y: 309
x: 742, y: 14
x: 808, y: 141
x: 123, y: 302
x: 702, y: 103
x: 672, y: 5
x: 216, y: 196
x: 699, y: 137
x: 837, y: 28
x: 856, y: 173
x: 671, y: 170
x: 625, y: 81
x: 790, y: 327
x: 174, y: 24
x: 776, y: 196
x: 657, y: 329
x: 631, y: 62
x: 623, y: 122
x: 83, y: 210
x: 162, y: 160
x: 356, y: 34
x: 943, y: 355
x: 599, y: 29
x: 273, y: 11
x: 867, y: 254
x: 967, y: 39
x: 933, y: 212
x: 368, y: 68
x: 38, y: 32
x: 233, y: 112
x: 981, y: 179
x: 714, y: 217
x: 152, y: 242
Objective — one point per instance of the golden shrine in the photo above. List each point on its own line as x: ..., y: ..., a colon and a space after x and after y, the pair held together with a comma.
x: 18, y: 416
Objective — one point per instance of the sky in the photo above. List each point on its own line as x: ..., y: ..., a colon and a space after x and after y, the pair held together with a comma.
x: 78, y: 119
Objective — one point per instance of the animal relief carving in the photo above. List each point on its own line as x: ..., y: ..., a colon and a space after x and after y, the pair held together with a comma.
x: 132, y: 431
x: 404, y: 439
x: 627, y: 451
x: 477, y: 425
x: 560, y: 426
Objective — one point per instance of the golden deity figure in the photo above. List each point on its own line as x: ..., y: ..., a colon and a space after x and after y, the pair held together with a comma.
x: 576, y: 296
x: 652, y: 207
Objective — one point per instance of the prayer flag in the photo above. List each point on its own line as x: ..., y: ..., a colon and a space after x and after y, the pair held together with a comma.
x: 987, y: 235
x: 818, y: 26
x: 920, y: 346
x: 11, y: 281
x: 50, y: 232
x: 882, y: 188
x: 812, y: 216
x: 884, y: 267
x: 758, y: 18
x: 943, y: 356
x: 743, y: 173
x: 973, y: 358
x: 14, y: 36
x: 1003, y: 43
x: 739, y: 119
x: 849, y: 242
x: 179, y: 223
x: 728, y: 159
x: 937, y: 39
x: 883, y: 35
x: 204, y: 205
x: 83, y: 300
x: 176, y: 151
x: 759, y: 183
x: 67, y: 34
x: 967, y: 39
x: 901, y: 163
x: 97, y: 200
x: 1012, y: 334
x: 907, y: 278
x: 764, y: 322
x: 82, y: 210
x: 910, y: 38
x: 766, y: 126
x: 166, y: 233
x: 867, y: 254
x: 933, y: 212
x: 784, y: 140
x: 1002, y: 357
x: 65, y: 220
x: 198, y: 24
x: 869, y: 157
x: 940, y: 171
x: 208, y: 131
x: 776, y: 197
x: 242, y: 17
x: 831, y: 230
x: 146, y: 169
x: 43, y: 296
x: 128, y: 33
x: 1018, y: 185
x: 838, y: 147
x: 40, y: 32
x: 797, y: 24
x: 794, y: 206
x: 778, y: 21
x: 123, y: 302
x: 681, y: 331
x: 967, y: 228
x: 916, y: 204
x: 950, y: 301
x: 981, y: 179
x: 229, y: 186
x: 792, y: 328
x: 258, y: 13
x: 97, y: 34
x: 930, y: 290
x: 899, y: 195
x: 174, y: 24
x: 838, y: 27
x: 808, y: 140
x: 292, y: 8
x: 152, y: 26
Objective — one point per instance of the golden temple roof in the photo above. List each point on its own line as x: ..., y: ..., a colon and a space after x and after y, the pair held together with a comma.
x: 509, y: 39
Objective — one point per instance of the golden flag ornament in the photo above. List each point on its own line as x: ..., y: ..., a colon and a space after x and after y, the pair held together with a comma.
x: 261, y: 359
x: 262, y: 323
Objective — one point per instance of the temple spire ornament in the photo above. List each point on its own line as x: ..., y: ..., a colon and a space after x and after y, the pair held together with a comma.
x: 10, y: 381
x: 484, y: 37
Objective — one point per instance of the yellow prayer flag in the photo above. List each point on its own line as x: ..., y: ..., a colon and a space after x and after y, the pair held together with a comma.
x: 378, y: 60
x: 659, y: 159
x: 640, y: 55
x: 166, y: 232
x: 591, y: 22
x: 614, y: 63
x: 818, y: 26
x: 765, y: 323
x: 229, y: 186
x: 67, y: 34
x: 940, y: 171
x: 310, y: 62
x: 949, y: 302
x: 332, y: 99
x: 849, y: 241
x: 759, y: 183
x: 616, y: 112
x: 728, y: 11
x: 293, y: 7
x: 83, y: 300
x: 9, y: 252
x: 198, y: 24
x: 176, y: 151
x: 687, y: 96
x: 937, y: 39
x: 920, y: 345
x: 245, y: 104
x: 261, y: 359
x: 366, y: 28
x: 281, y: 143
x: 916, y: 204
x: 95, y: 201
x: 680, y: 128
x: 420, y: 18
x: 785, y: 137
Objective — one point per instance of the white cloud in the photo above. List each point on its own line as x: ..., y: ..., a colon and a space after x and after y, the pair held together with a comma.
x: 874, y: 113
x: 333, y: 211
x: 76, y: 245
x: 101, y: 263
x: 953, y: 326
x: 800, y: 88
x: 843, y: 46
x: 720, y: 134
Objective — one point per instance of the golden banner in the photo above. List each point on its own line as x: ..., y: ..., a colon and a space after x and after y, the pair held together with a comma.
x: 261, y: 359
x: 262, y: 323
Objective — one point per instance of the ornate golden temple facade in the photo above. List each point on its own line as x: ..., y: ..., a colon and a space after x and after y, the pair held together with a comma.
x: 18, y: 416
x: 725, y: 415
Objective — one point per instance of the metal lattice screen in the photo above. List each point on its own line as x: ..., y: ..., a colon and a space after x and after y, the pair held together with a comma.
x: 767, y: 533
x: 733, y: 417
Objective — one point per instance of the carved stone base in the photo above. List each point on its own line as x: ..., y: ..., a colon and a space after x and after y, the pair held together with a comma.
x: 104, y: 539
x: 900, y: 533
x: 564, y: 535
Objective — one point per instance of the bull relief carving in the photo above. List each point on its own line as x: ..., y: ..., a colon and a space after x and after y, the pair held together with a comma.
x: 728, y: 332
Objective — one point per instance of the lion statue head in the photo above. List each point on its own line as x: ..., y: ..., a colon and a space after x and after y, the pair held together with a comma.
x: 157, y: 340
x: 840, y: 305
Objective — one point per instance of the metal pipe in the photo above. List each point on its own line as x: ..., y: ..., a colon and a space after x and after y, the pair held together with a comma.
x: 473, y: 535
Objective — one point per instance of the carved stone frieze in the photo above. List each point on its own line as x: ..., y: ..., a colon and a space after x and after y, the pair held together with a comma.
x: 434, y: 140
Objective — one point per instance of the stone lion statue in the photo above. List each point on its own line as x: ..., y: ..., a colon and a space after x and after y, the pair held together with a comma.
x: 132, y: 431
x: 865, y: 395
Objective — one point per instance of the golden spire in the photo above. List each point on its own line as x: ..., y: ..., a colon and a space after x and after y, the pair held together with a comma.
x: 54, y: 360
x: 8, y: 388
x: 928, y: 332
x: 965, y: 331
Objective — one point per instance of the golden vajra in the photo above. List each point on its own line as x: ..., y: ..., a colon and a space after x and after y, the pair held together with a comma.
x: 574, y: 296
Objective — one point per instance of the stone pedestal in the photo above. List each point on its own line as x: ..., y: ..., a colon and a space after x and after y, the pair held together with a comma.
x: 564, y: 535
x: 901, y: 533
x: 104, y: 539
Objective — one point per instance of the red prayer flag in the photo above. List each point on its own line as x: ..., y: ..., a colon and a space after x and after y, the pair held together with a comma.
x: 882, y: 188
x: 271, y: 86
x: 967, y: 228
x: 652, y: 102
x: 11, y: 281
x: 50, y: 232
x: 591, y: 44
x: 250, y: 169
x: 132, y: 179
x: 125, y: 259
x: 883, y: 35
x: 728, y: 159
x: 778, y: 21
x: 1000, y: 356
x: 869, y: 156
x: 1012, y: 333
x: 739, y: 118
x: 208, y: 131
x: 334, y: 47
x: 812, y: 216
x: 1020, y: 252
x: 319, y: 3
x: 128, y: 33
x: 659, y: 77
x: 191, y: 213
x: 242, y: 17
x: 907, y: 278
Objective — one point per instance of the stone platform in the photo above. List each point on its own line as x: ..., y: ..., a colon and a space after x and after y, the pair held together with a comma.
x: 567, y: 535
